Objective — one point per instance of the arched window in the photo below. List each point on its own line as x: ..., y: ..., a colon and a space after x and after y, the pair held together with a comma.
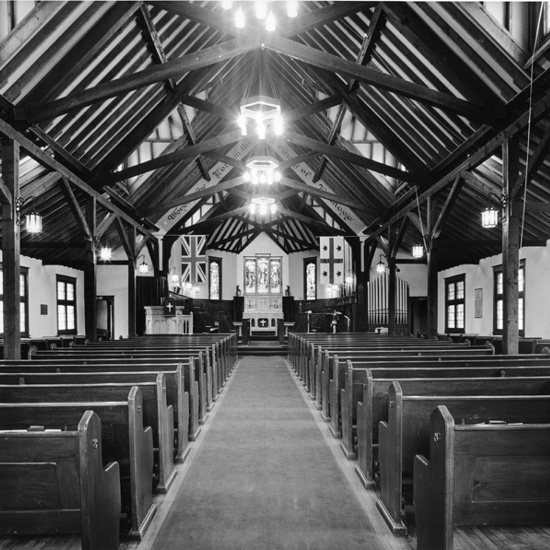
x: 215, y: 279
x: 310, y: 278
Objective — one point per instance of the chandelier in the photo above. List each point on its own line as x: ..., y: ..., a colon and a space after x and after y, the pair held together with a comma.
x: 262, y: 205
x: 262, y: 13
x: 261, y: 112
x: 262, y: 170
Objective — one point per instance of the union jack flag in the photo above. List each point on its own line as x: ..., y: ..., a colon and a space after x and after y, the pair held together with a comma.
x: 193, y: 258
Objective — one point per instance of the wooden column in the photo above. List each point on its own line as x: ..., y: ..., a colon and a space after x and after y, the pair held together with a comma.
x: 392, y: 286
x: 11, y: 251
x: 510, y: 248
x: 90, y: 275
x: 432, y: 290
x: 132, y: 287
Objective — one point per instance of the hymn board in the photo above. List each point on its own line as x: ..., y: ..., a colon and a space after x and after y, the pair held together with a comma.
x: 263, y: 292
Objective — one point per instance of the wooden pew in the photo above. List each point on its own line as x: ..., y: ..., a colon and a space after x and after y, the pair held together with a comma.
x: 55, y: 482
x: 406, y: 434
x: 176, y: 397
x: 357, y: 375
x: 124, y: 439
x: 202, y: 372
x: 373, y: 406
x: 481, y: 475
x: 191, y: 368
x: 338, y: 371
x: 156, y: 413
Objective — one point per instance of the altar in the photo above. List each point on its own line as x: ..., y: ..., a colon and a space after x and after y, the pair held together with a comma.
x: 157, y: 322
x: 263, y: 298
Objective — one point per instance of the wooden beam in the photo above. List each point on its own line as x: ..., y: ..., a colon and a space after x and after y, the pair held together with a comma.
x: 534, y: 163
x: 337, y: 152
x: 75, y: 209
x: 510, y: 248
x: 223, y: 186
x: 471, y: 160
x: 160, y: 57
x: 299, y: 186
x: 171, y: 69
x: 447, y: 207
x: 383, y: 81
x: 362, y: 59
x: 177, y: 156
x: 11, y: 251
x: 45, y: 159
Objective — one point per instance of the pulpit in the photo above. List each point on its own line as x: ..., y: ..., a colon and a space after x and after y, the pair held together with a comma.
x: 160, y: 320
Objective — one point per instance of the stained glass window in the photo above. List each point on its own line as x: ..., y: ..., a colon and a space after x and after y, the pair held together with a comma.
x: 310, y: 278
x: 275, y: 276
x: 263, y: 275
x: 250, y: 276
x: 215, y: 269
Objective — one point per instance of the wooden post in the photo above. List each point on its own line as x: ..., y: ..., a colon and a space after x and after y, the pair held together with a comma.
x: 392, y: 287
x: 132, y: 287
x: 432, y: 290
x: 510, y: 248
x: 90, y: 274
x: 11, y: 251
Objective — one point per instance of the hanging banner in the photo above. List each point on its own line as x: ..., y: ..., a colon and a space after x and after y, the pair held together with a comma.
x: 193, y: 258
x: 332, y: 260
x: 217, y: 173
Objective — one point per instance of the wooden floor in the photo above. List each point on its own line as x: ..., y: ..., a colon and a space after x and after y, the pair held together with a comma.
x: 465, y: 539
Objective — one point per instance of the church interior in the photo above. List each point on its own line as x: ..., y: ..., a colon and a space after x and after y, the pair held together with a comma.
x: 290, y: 255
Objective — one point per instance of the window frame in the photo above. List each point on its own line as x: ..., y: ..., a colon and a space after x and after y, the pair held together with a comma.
x: 218, y: 261
x: 308, y: 261
x: 66, y: 303
x: 24, y: 300
x: 499, y: 297
x: 454, y: 302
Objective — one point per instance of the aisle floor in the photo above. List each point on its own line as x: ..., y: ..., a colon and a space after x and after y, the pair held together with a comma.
x: 266, y: 474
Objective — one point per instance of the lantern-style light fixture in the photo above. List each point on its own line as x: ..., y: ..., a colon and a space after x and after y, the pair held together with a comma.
x: 143, y: 266
x: 262, y: 170
x: 489, y: 217
x: 174, y: 277
x: 262, y: 205
x: 33, y: 220
x: 105, y: 253
x: 381, y: 266
x: 418, y: 251
x: 261, y: 112
x: 262, y: 12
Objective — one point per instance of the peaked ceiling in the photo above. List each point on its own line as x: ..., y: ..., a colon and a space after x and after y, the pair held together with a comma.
x: 395, y: 119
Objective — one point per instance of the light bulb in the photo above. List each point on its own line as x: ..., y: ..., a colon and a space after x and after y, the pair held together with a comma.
x: 240, y: 19
x: 270, y: 22
x: 261, y: 9
x: 292, y: 8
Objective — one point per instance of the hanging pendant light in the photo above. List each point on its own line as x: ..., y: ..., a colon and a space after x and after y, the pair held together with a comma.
x: 105, y: 253
x: 417, y: 251
x: 489, y: 218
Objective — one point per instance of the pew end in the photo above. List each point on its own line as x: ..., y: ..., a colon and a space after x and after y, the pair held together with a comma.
x: 480, y: 475
x: 55, y: 482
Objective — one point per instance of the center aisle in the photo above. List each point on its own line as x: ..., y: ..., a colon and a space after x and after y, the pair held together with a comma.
x: 264, y: 477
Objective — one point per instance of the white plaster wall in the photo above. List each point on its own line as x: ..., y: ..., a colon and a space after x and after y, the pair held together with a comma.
x: 42, y: 285
x: 112, y: 280
x: 537, y: 295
